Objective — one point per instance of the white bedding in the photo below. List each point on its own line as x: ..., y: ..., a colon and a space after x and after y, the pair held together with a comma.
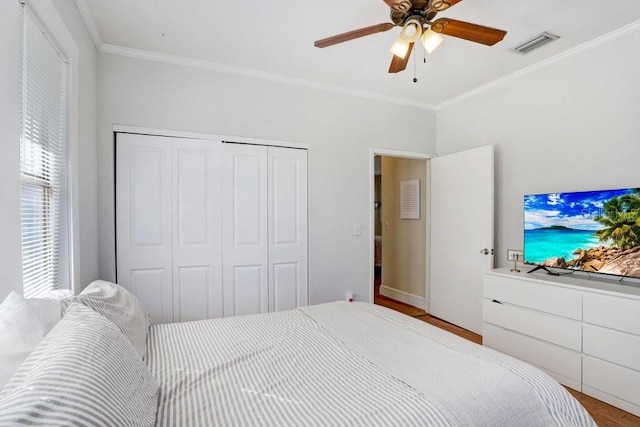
x: 344, y: 364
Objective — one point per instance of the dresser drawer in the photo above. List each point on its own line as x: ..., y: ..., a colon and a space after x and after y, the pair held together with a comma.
x: 618, y: 313
x: 618, y: 347
x: 563, y: 364
x: 526, y: 293
x: 615, y: 380
x: 557, y: 330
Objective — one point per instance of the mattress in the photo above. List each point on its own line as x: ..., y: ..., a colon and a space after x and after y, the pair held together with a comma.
x: 344, y: 364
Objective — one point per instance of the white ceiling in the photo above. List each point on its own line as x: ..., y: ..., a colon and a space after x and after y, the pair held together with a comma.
x: 276, y: 38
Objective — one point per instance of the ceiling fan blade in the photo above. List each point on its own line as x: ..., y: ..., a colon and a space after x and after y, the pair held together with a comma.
x: 399, y: 5
x: 440, y: 5
x: 465, y: 30
x: 373, y: 29
x: 398, y: 64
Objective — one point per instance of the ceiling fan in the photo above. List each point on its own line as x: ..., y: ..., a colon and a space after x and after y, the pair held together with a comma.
x: 416, y: 19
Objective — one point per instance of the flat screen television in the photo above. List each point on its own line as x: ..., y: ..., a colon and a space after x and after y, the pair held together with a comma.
x: 593, y: 231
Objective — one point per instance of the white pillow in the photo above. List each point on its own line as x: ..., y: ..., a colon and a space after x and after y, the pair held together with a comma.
x: 49, y: 306
x: 85, y: 372
x: 121, y: 307
x: 23, y: 324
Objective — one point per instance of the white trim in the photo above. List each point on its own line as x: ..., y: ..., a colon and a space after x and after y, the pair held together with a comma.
x: 245, y: 72
x: 373, y: 152
x: 200, y: 135
x: 399, y: 153
x: 90, y: 23
x: 405, y: 297
x: 592, y: 44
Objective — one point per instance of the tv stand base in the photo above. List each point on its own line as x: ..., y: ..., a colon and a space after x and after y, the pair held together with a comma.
x: 542, y: 267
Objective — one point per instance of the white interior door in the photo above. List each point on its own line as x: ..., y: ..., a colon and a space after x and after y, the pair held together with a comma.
x: 244, y: 229
x: 196, y: 229
x: 287, y: 208
x: 461, y: 200
x: 143, y: 221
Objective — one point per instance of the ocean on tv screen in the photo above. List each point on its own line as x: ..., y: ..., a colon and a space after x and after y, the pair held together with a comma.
x: 542, y: 244
x: 596, y: 231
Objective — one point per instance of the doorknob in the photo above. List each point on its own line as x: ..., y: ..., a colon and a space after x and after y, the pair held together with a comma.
x: 486, y: 251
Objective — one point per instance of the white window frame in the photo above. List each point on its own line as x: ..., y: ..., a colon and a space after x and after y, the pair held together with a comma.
x: 56, y: 29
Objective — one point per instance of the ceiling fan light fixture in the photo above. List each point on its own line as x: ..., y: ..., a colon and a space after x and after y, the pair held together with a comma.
x: 412, y: 30
x: 431, y: 40
x: 400, y: 47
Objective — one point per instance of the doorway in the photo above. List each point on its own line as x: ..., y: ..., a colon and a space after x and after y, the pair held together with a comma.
x: 463, y: 247
x: 399, y: 242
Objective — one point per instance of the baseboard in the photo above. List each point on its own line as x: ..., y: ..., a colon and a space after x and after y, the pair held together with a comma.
x: 405, y: 297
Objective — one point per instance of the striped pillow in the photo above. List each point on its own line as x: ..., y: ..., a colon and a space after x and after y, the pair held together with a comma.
x: 121, y: 307
x: 84, y: 372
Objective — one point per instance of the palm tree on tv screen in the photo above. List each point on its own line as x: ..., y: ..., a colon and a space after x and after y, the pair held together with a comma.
x: 621, y: 220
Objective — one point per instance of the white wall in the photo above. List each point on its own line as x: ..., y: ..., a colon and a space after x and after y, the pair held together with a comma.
x: 571, y: 126
x: 85, y: 146
x: 64, y: 22
x: 10, y: 240
x: 339, y: 131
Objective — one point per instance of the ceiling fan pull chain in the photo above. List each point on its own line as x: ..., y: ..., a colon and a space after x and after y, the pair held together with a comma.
x: 415, y: 79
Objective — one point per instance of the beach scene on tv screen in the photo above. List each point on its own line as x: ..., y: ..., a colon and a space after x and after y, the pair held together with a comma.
x: 595, y: 231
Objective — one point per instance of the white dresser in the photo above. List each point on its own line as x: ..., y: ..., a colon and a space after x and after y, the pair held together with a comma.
x: 583, y: 332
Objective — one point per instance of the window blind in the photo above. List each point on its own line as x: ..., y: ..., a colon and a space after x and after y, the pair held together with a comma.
x: 43, y: 161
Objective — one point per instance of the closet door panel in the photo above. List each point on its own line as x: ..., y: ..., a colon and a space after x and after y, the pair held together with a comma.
x: 192, y: 198
x: 192, y: 290
x: 248, y: 293
x: 196, y: 213
x: 287, y: 213
x: 143, y: 283
x: 248, y: 197
x: 147, y: 219
x: 285, y: 285
x: 244, y: 229
x: 143, y: 221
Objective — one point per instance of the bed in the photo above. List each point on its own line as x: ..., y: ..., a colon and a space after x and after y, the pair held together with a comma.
x: 330, y: 364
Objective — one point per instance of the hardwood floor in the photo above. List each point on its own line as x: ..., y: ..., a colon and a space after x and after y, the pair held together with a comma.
x: 603, y: 414
x: 418, y: 313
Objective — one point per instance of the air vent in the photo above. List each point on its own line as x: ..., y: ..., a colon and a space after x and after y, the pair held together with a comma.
x: 536, y: 42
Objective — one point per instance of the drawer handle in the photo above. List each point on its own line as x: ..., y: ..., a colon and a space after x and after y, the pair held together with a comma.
x: 496, y: 301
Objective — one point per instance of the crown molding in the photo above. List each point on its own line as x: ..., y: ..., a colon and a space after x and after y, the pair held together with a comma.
x: 90, y: 23
x: 245, y: 72
x: 590, y: 45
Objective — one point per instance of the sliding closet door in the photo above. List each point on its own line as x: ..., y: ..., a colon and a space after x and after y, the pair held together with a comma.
x: 244, y: 229
x: 143, y: 221
x: 196, y: 225
x: 287, y: 213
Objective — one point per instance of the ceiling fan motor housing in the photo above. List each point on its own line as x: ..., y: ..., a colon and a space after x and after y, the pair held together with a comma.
x: 423, y: 14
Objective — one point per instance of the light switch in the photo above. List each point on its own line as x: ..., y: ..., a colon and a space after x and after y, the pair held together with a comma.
x: 357, y: 231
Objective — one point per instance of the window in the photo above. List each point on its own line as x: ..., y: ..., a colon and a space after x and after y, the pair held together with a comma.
x: 43, y: 162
